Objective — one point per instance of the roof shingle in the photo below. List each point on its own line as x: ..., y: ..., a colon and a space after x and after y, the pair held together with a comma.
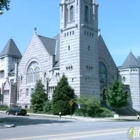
x: 130, y: 62
x: 11, y: 49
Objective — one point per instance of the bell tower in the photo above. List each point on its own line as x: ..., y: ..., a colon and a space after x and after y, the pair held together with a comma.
x: 79, y: 45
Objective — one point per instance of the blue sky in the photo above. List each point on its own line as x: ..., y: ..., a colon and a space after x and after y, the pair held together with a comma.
x: 119, y: 21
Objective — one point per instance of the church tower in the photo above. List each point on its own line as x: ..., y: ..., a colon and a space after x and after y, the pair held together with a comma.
x: 79, y: 45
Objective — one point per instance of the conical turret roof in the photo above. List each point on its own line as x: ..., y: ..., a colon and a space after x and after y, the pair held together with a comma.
x: 131, y: 62
x: 11, y: 49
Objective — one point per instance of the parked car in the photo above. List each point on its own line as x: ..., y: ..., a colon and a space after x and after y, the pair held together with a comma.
x: 16, y: 111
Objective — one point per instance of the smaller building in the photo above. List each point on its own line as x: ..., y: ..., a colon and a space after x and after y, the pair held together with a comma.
x: 9, y: 59
x: 130, y: 75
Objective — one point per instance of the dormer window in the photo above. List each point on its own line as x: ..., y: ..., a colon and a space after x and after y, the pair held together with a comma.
x: 71, y: 13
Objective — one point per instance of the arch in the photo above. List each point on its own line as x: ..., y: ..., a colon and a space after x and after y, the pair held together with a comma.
x: 32, y: 60
x: 86, y: 13
x: 103, y: 72
x: 71, y: 13
x: 33, y: 72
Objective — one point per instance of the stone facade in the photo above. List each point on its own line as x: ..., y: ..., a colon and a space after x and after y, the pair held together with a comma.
x: 78, y: 51
x: 130, y: 75
x: 9, y: 59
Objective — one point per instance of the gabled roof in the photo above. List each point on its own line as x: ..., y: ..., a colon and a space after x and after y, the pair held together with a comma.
x: 57, y: 47
x: 130, y: 62
x: 52, y: 45
x: 49, y: 44
x: 11, y: 49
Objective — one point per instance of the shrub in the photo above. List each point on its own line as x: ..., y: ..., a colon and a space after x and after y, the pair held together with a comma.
x: 104, y: 112
x: 4, y: 107
x: 89, y: 105
x: 47, y: 107
x: 80, y: 112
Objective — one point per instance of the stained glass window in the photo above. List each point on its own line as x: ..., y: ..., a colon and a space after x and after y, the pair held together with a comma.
x: 33, y: 72
x: 102, y: 72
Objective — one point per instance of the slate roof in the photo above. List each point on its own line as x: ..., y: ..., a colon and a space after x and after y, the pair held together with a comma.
x: 11, y: 49
x: 49, y: 44
x: 52, y: 45
x: 57, y: 47
x: 130, y: 62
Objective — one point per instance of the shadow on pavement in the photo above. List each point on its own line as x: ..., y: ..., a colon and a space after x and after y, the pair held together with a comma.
x: 27, y: 120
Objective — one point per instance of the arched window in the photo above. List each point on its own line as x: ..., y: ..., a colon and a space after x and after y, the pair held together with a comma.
x: 66, y: 15
x: 71, y: 13
x: 86, y: 13
x: 30, y: 75
x: 33, y: 72
x: 102, y: 72
x: 36, y: 74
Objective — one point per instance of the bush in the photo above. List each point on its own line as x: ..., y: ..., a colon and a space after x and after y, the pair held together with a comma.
x: 47, y: 107
x: 89, y: 105
x: 80, y: 112
x: 104, y: 112
x: 4, y: 107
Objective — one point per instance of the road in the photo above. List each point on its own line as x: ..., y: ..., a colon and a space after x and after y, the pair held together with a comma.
x: 41, y: 128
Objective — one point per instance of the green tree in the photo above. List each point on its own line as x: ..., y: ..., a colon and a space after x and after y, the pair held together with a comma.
x: 138, y: 58
x: 4, y: 4
x: 63, y: 93
x: 39, y: 97
x: 116, y: 96
x: 89, y: 105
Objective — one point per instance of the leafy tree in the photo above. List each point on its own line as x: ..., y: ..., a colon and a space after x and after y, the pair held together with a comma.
x: 89, y: 105
x: 63, y: 93
x: 47, y: 107
x: 4, y: 4
x: 116, y: 96
x: 138, y: 58
x: 39, y: 97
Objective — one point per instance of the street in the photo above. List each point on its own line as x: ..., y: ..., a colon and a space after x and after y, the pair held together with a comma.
x: 41, y: 128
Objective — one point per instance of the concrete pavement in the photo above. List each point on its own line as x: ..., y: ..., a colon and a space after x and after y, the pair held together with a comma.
x: 121, y: 118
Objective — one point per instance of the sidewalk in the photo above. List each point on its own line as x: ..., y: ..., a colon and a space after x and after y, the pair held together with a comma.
x: 76, y: 118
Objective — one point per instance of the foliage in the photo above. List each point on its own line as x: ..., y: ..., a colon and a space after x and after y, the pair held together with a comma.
x: 116, y: 96
x: 39, y: 97
x: 47, y: 107
x: 4, y: 4
x: 138, y: 58
x: 89, y: 105
x: 104, y: 112
x: 4, y: 107
x: 80, y: 112
x: 63, y: 93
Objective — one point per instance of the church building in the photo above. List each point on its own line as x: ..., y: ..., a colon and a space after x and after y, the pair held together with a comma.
x: 78, y: 51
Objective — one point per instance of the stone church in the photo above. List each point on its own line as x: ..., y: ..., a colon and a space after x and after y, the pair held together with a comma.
x: 78, y: 51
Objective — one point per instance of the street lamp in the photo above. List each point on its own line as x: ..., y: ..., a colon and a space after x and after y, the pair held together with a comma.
x: 1, y: 12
